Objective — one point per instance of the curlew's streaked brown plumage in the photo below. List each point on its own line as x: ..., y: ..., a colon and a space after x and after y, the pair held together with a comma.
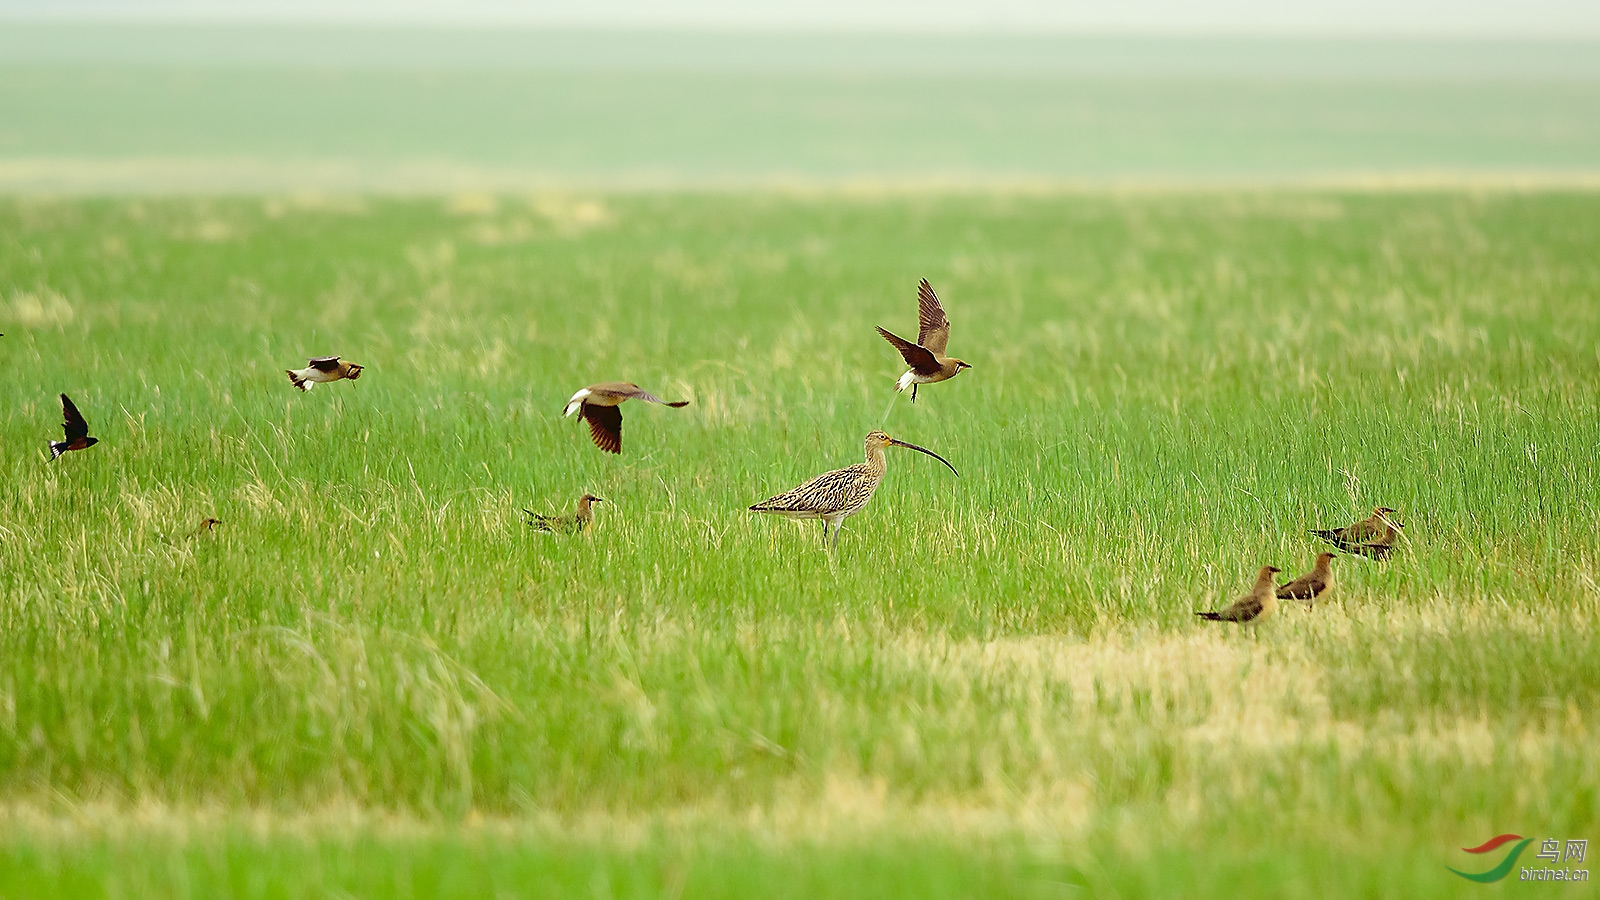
x: 575, y: 522
x: 1256, y: 606
x: 322, y: 369
x: 1372, y: 537
x: 76, y: 428
x: 926, y: 357
x: 597, y: 404
x: 1310, y: 585
x: 838, y: 495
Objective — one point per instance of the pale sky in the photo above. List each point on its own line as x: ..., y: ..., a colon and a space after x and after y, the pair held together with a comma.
x: 1382, y: 18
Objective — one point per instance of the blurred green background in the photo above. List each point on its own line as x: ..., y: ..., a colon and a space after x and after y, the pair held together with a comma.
x: 169, y: 107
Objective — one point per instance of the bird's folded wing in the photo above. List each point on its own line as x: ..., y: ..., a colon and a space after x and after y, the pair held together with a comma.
x: 1299, y: 587
x: 324, y: 363
x: 934, y: 330
x: 920, y: 359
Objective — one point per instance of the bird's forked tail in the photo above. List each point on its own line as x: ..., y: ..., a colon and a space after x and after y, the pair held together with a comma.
x: 57, y: 448
x: 299, y: 382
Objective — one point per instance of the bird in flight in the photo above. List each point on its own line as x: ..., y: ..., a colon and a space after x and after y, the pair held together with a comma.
x: 77, y: 430
x: 838, y: 495
x: 575, y: 522
x: 321, y: 369
x: 926, y: 357
x: 1259, y: 604
x: 1308, y: 586
x: 597, y: 404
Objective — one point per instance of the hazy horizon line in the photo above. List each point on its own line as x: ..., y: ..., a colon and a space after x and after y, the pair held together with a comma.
x: 1018, y: 31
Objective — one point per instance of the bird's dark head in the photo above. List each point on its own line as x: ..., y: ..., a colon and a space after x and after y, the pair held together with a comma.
x: 593, y: 499
x: 90, y: 442
x: 961, y: 364
x: 1324, y: 558
x: 355, y: 372
x: 1383, y: 511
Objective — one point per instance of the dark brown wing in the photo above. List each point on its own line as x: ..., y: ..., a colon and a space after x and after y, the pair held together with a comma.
x: 1244, y: 610
x: 934, y: 329
x: 918, y: 358
x: 1303, y: 588
x: 73, y: 423
x: 324, y: 363
x: 605, y: 426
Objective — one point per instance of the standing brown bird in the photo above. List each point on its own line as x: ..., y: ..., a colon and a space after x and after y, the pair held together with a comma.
x: 1312, y: 583
x: 1259, y: 604
x: 597, y: 404
x: 321, y: 369
x: 926, y: 357
x: 76, y: 428
x: 576, y: 522
x: 1373, y: 536
x: 838, y: 495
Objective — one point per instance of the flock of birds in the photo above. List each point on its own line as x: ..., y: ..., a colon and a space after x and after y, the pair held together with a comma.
x: 835, y: 496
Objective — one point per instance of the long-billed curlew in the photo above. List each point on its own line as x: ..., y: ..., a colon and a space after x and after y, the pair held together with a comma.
x: 1308, y: 586
x: 575, y: 522
x: 1373, y: 536
x: 1259, y: 604
x: 76, y: 428
x: 597, y: 404
x: 322, y: 369
x: 926, y: 357
x: 838, y: 495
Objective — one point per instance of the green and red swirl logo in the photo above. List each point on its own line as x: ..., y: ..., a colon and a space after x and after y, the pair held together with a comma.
x: 1506, y: 865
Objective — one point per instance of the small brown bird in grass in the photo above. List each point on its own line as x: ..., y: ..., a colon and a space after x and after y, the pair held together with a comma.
x: 838, y: 495
x: 1259, y: 604
x: 597, y: 404
x: 77, y: 430
x: 573, y: 523
x: 206, y: 527
x: 1312, y: 583
x: 926, y: 357
x: 321, y: 369
x: 1373, y: 536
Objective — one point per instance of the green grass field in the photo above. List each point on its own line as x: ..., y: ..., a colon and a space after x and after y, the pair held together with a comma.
x: 374, y: 680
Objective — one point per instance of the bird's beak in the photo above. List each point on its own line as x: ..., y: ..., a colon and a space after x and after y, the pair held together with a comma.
x: 927, y: 451
x: 597, y: 499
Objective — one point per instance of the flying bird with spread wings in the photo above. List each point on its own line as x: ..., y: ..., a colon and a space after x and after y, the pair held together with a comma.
x: 598, y: 405
x: 926, y: 357
x: 76, y: 428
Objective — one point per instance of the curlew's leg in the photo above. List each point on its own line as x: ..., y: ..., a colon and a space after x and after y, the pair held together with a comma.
x: 913, y: 392
x: 824, y: 534
x: 836, y: 526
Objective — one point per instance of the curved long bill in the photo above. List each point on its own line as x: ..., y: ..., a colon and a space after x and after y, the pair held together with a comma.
x: 927, y: 451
